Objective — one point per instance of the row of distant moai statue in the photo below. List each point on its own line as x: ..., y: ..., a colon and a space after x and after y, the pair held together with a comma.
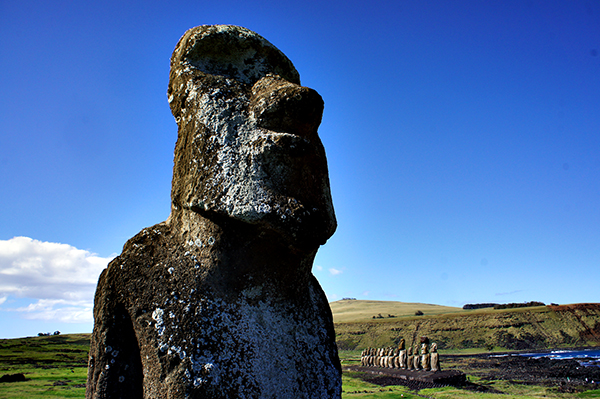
x: 400, y: 358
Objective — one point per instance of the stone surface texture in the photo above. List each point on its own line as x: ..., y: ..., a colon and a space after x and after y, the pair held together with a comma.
x: 219, y: 300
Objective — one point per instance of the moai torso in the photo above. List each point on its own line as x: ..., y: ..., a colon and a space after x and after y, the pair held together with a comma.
x: 218, y: 299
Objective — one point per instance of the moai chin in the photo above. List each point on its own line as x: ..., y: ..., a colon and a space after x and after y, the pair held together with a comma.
x: 219, y: 300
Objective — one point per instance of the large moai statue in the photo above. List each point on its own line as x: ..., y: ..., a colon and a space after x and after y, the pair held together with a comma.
x: 372, y: 357
x: 219, y: 300
x: 363, y: 357
x: 396, y: 359
x: 410, y: 361
x: 435, y: 358
x: 402, y: 354
x: 425, y: 357
x: 390, y: 357
x: 416, y: 358
x: 385, y: 361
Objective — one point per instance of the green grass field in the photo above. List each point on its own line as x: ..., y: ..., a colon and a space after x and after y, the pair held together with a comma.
x: 55, y: 366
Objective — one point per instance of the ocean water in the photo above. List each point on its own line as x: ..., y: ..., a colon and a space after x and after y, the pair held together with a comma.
x: 587, y: 357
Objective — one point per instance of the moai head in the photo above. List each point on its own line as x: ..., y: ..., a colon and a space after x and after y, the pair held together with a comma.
x: 433, y: 348
x: 402, y: 344
x: 247, y: 146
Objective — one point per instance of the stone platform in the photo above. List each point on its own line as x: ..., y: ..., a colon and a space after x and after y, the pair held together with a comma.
x: 428, y: 378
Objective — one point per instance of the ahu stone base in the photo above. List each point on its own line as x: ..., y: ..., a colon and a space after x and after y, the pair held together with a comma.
x: 421, y: 378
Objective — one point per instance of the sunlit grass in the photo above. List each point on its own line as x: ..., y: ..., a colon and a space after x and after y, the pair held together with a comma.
x: 56, y: 367
x: 590, y: 394
x: 354, y: 387
x: 354, y: 311
x: 41, y: 383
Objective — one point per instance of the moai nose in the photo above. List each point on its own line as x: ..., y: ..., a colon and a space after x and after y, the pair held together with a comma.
x: 285, y: 107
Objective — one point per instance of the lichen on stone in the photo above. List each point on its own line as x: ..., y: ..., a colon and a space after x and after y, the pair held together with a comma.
x: 219, y: 300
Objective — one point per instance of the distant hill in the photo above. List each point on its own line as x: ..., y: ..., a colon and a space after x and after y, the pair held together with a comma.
x: 538, y: 327
x: 352, y: 310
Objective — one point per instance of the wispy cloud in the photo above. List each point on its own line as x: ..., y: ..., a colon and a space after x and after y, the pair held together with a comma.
x: 60, y: 278
x: 318, y: 268
x: 334, y: 272
x: 58, y: 310
x: 508, y: 293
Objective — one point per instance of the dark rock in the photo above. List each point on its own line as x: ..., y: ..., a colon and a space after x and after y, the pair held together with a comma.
x: 13, y: 377
x: 522, y: 368
x: 219, y: 300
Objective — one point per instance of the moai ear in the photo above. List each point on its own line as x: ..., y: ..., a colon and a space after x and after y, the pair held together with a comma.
x: 233, y: 52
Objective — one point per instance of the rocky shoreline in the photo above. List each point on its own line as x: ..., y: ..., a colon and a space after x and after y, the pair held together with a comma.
x: 565, y: 375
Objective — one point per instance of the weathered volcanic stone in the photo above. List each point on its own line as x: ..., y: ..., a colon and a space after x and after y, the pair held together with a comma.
x: 219, y: 300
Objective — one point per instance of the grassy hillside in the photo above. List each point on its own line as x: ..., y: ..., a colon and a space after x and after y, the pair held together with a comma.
x: 357, y: 310
x: 55, y: 366
x: 507, y: 329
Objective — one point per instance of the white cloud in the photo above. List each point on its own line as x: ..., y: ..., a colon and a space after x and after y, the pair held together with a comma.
x: 334, y: 272
x: 59, y: 310
x: 60, y: 277
x: 318, y: 268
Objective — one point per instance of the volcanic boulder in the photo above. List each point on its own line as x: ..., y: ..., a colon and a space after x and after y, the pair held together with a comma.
x: 219, y: 300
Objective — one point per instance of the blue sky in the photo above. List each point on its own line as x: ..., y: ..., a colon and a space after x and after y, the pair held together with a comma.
x: 462, y: 139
